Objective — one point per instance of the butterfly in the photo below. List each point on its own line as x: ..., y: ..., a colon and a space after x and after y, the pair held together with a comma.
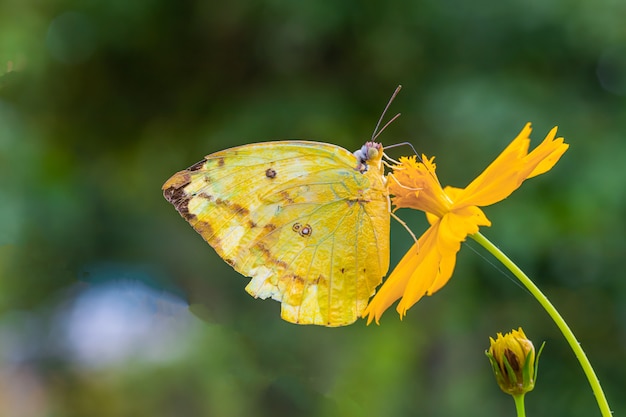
x: 308, y: 222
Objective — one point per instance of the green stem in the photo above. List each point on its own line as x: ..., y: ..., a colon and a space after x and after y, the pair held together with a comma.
x: 519, y: 405
x: 569, y: 336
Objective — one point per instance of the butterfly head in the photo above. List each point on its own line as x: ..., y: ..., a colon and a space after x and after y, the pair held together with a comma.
x: 369, y: 153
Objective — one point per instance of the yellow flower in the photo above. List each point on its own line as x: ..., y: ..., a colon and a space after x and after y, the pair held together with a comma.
x: 512, y: 358
x: 453, y: 214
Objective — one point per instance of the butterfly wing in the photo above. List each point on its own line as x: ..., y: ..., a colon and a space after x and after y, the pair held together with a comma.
x: 297, y: 217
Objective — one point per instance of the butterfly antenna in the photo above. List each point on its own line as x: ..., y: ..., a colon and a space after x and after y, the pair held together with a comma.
x: 393, y: 96
x: 385, y: 126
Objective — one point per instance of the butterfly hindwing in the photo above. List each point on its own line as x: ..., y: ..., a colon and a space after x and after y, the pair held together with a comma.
x: 310, y: 229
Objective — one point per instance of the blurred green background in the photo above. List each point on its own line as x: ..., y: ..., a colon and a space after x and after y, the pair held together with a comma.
x: 100, y: 102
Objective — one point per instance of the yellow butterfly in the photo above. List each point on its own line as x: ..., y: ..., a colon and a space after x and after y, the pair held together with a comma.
x: 307, y: 221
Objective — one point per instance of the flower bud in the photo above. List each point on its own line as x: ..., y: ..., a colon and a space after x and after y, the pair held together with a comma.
x: 512, y: 358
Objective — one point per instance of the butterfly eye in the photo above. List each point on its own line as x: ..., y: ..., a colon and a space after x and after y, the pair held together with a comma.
x: 372, y: 152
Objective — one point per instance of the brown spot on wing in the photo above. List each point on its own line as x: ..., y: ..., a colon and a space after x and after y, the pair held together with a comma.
x: 183, y: 208
x: 206, y: 231
x: 198, y: 165
x: 240, y: 209
x: 286, y: 196
x: 174, y: 188
x: 270, y: 173
x: 303, y: 230
x: 206, y: 196
x: 268, y: 255
x: 234, y: 207
x: 178, y: 180
x: 173, y: 194
x: 220, y: 162
x: 270, y: 227
x: 306, y: 230
x: 293, y: 283
x: 357, y: 200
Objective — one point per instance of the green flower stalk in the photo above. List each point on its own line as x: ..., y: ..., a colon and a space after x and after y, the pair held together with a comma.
x: 556, y: 317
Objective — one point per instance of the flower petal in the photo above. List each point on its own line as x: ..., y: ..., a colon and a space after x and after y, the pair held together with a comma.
x: 456, y: 225
x: 422, y: 277
x: 446, y: 268
x: 415, y: 185
x: 454, y: 229
x: 408, y: 267
x: 512, y: 167
x: 548, y: 153
x: 425, y: 271
x: 499, y: 179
